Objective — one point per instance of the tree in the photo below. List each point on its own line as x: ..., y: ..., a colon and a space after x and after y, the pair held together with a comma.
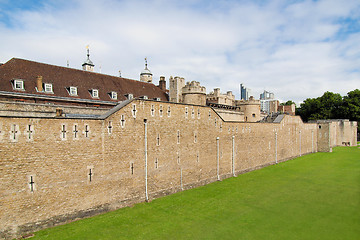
x: 289, y: 102
x: 351, y: 105
x: 331, y: 106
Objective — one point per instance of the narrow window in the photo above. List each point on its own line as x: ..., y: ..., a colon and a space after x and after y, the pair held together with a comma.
x: 192, y: 113
x: 198, y: 113
x: 75, y: 131
x: 169, y: 111
x: 122, y: 121
x: 110, y: 127
x: 195, y: 137
x: 220, y: 127
x: 134, y: 110
x: 178, y: 136
x: 14, y: 132
x: 63, y: 131
x: 32, y: 183
x: 158, y: 140
x: 152, y: 110
x: 209, y: 114
x: 29, y: 132
x: 90, y: 174
x: 86, y: 132
x: 178, y: 158
x: 186, y: 112
x: 132, y: 168
x: 156, y: 163
x: 253, y: 114
x: 161, y: 111
x: 197, y: 157
x: 215, y: 122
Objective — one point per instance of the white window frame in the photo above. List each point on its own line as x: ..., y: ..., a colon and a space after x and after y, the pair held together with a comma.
x: 113, y: 95
x: 20, y: 82
x: 48, y: 88
x: 130, y: 96
x: 73, y: 91
x: 94, y: 93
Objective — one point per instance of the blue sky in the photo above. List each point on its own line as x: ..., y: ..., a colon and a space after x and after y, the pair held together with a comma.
x: 296, y: 49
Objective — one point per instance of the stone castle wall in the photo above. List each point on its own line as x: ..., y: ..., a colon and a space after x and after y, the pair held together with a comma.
x: 57, y: 169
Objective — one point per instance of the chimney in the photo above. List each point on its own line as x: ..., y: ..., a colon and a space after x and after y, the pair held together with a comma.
x: 59, y: 112
x: 39, y: 84
x: 162, y: 83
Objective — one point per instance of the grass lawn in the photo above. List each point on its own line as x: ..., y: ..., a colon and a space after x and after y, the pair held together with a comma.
x: 316, y: 196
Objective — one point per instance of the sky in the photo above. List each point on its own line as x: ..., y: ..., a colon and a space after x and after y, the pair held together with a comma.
x: 296, y: 49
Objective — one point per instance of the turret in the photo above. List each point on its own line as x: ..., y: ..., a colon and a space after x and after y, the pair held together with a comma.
x: 88, y: 64
x: 146, y: 75
x: 175, y: 89
x: 193, y: 93
x: 251, y: 109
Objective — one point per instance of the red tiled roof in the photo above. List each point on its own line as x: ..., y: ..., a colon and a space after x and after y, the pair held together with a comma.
x: 63, y: 77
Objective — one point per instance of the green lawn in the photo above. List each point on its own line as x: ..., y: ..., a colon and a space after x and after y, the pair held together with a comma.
x: 316, y: 196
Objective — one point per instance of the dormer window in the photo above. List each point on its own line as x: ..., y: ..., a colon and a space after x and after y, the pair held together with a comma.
x: 72, y: 91
x: 18, y: 85
x: 113, y: 95
x: 48, y: 87
x: 129, y: 96
x: 145, y: 97
x: 94, y: 93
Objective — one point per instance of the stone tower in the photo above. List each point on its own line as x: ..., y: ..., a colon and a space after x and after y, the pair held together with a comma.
x: 251, y: 109
x: 175, y: 89
x: 88, y: 64
x: 193, y: 93
x: 146, y: 75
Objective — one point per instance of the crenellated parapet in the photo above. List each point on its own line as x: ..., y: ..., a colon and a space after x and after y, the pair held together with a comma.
x: 194, y: 93
x: 220, y: 98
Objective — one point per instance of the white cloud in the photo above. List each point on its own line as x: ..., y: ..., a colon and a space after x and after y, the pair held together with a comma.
x: 290, y: 49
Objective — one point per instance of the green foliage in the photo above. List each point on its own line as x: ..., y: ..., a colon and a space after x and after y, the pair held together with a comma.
x: 289, y: 102
x: 331, y: 106
x: 312, y: 197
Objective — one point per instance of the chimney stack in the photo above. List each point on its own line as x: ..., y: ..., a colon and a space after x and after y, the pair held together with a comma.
x: 162, y: 83
x: 59, y: 112
x: 39, y: 83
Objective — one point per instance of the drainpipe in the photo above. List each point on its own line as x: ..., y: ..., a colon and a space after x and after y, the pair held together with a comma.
x: 300, y: 142
x: 146, y: 174
x: 218, y: 158
x: 233, y: 152
x: 330, y: 148
x: 276, y: 160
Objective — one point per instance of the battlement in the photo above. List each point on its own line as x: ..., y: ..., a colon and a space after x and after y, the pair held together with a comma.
x: 193, y: 87
x: 251, y: 101
x: 220, y: 98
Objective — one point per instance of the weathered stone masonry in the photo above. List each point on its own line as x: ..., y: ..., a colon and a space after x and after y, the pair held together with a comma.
x: 57, y: 169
